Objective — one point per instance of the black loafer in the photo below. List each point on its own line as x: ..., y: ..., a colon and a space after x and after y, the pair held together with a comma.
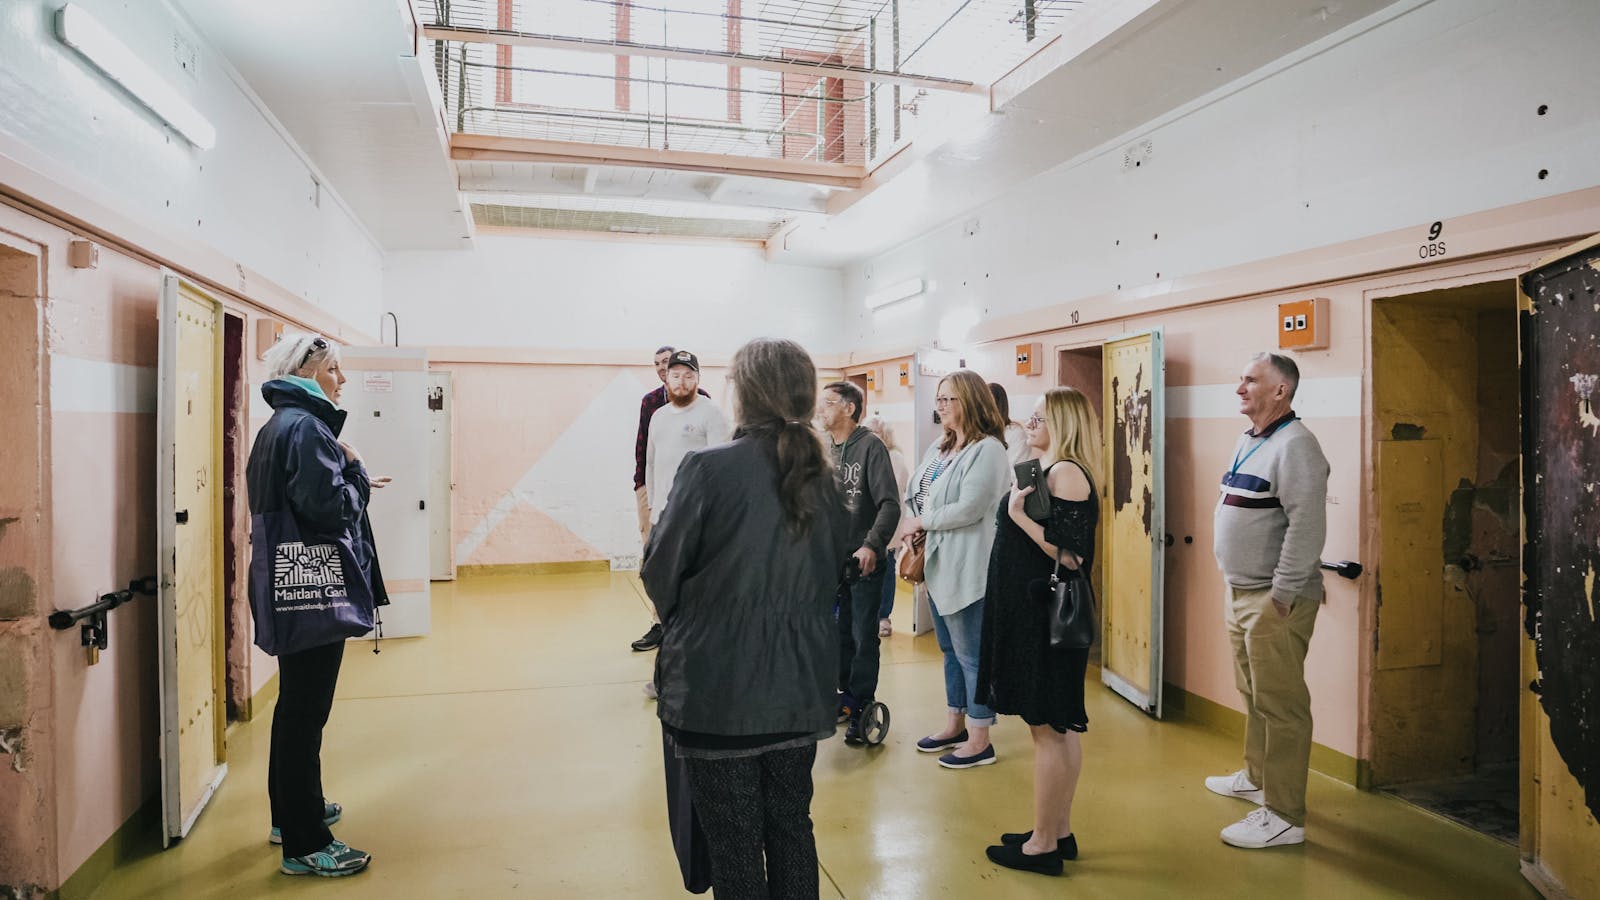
x: 934, y: 745
x: 1067, y: 846
x: 650, y: 641
x: 1012, y: 857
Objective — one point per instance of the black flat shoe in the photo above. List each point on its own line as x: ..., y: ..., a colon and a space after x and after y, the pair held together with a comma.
x: 1067, y: 846
x: 650, y: 641
x: 1012, y: 857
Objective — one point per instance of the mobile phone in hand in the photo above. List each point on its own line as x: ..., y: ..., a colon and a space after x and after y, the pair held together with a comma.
x: 1037, y: 504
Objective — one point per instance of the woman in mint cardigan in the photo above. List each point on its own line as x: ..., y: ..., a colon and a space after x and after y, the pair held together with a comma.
x: 951, y: 498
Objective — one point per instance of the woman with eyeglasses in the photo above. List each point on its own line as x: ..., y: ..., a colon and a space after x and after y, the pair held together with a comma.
x: 1019, y: 672
x: 950, y: 501
x: 299, y: 466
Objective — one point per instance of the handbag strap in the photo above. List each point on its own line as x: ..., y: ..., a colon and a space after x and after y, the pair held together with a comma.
x: 1055, y: 573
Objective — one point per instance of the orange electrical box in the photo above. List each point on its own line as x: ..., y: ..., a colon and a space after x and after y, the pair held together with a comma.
x: 905, y: 374
x: 1030, y: 359
x: 1303, y: 325
x: 872, y: 380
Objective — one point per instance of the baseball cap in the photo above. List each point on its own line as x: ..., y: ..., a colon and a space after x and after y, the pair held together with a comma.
x: 684, y: 358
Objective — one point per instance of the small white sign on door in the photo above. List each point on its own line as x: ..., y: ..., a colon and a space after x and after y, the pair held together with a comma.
x: 377, y: 382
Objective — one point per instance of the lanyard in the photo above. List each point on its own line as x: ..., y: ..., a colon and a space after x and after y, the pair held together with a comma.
x: 1238, y: 461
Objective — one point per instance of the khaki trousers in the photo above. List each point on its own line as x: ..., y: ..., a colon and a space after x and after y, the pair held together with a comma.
x: 642, y: 495
x: 1269, y: 667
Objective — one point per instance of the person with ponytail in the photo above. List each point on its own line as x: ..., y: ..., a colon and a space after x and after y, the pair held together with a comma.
x: 742, y: 566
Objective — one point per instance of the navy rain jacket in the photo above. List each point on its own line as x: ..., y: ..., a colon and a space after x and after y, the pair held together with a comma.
x: 298, y: 465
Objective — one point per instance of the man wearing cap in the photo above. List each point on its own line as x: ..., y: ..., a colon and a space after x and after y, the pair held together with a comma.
x: 688, y: 422
x: 647, y: 410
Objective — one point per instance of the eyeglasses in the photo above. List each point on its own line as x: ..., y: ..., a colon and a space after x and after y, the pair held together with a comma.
x: 944, y: 401
x: 1035, y: 420
x: 316, y: 344
x: 832, y: 401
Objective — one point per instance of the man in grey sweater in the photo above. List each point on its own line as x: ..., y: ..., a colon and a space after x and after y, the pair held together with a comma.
x: 1270, y: 523
x: 871, y: 497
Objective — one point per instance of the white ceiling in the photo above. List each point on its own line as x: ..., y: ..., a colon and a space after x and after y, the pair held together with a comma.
x: 340, y: 77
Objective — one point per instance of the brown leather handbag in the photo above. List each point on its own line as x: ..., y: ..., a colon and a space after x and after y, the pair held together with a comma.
x: 908, y: 563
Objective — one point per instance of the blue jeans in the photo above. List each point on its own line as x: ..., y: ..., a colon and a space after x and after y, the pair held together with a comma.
x: 891, y: 582
x: 858, y: 638
x: 960, y: 636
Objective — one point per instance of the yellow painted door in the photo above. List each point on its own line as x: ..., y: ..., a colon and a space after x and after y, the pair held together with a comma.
x: 1133, y: 510
x: 190, y: 548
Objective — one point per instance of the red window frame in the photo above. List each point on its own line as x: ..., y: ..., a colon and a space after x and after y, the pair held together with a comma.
x: 623, y: 99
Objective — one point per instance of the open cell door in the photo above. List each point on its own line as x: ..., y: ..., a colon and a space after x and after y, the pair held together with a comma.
x: 387, y: 399
x: 1560, y: 714
x: 1133, y: 508
x: 189, y: 548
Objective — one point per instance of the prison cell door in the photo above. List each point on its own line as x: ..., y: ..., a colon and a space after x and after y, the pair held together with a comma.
x: 387, y: 399
x: 441, y: 479
x: 1560, y: 734
x: 1133, y: 509
x: 189, y: 549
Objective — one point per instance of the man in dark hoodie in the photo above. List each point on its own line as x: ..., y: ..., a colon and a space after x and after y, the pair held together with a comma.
x: 871, y: 497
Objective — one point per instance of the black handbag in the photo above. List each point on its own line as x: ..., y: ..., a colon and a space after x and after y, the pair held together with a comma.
x: 1070, y: 609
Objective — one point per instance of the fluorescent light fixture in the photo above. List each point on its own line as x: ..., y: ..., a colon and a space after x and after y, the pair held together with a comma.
x: 894, y: 293
x: 84, y: 33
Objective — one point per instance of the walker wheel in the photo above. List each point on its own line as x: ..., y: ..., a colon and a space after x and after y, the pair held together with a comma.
x: 874, y: 723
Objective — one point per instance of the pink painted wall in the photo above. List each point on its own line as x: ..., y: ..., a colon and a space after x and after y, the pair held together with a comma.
x: 100, y: 736
x: 544, y: 459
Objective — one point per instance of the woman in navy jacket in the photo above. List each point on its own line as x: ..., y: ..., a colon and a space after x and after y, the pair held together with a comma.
x: 299, y: 467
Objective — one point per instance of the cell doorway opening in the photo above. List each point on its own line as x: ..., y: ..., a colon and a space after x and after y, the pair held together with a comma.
x: 1083, y: 368
x: 1446, y: 406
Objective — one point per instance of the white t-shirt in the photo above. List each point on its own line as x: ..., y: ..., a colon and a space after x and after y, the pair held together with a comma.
x: 674, y: 431
x: 1017, y: 448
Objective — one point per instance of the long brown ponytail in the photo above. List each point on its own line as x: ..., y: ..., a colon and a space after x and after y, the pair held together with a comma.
x: 775, y: 388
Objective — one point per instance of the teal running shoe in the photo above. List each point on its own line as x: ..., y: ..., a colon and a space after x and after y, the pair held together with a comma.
x: 331, y: 813
x: 333, y: 861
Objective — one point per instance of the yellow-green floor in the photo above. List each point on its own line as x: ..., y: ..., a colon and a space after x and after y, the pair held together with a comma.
x: 512, y: 753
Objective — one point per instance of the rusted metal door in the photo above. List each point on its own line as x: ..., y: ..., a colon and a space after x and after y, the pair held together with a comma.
x: 1134, y: 510
x: 1560, y: 756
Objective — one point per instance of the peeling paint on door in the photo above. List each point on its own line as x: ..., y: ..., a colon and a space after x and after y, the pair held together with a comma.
x: 1562, y: 455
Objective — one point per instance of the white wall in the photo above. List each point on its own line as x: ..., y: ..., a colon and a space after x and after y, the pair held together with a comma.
x: 250, y: 197
x: 575, y: 294
x: 1422, y: 112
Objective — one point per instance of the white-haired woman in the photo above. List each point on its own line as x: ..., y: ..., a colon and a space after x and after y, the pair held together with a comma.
x: 308, y: 491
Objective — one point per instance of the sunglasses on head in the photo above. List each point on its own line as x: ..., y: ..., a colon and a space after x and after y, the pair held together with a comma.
x: 316, y: 344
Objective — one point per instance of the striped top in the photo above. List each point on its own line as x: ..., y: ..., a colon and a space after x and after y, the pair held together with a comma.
x: 929, y: 476
x: 1271, y: 519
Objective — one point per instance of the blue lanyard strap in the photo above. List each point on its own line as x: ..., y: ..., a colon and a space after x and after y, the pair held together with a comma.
x: 1238, y: 461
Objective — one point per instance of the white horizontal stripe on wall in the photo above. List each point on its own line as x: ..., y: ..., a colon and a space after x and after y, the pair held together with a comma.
x: 1317, y: 398
x: 92, y: 386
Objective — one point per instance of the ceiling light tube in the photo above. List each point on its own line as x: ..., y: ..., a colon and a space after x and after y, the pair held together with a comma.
x: 894, y: 293
x: 84, y: 33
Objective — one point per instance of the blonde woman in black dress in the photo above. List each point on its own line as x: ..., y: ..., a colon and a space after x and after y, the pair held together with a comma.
x: 1018, y: 672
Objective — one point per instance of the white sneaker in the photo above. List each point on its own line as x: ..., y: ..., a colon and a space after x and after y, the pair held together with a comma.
x: 1263, y: 828
x: 1237, y: 785
x: 650, y: 689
